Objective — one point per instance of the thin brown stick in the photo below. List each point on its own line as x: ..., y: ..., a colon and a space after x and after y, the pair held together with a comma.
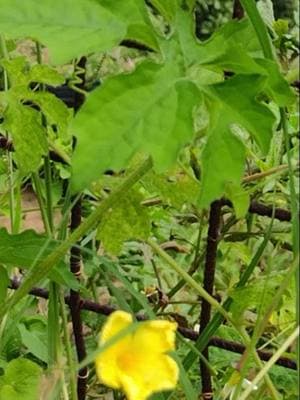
x: 75, y: 305
x: 208, y: 284
x: 266, y: 211
x: 75, y: 266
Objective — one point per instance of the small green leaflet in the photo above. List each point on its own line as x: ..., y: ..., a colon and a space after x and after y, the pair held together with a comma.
x: 27, y: 248
x: 20, y: 381
x: 68, y: 28
x: 240, y: 199
x: 33, y: 333
x: 126, y: 221
x: 256, y: 296
x: 148, y: 110
x: 22, y: 123
x: 175, y: 188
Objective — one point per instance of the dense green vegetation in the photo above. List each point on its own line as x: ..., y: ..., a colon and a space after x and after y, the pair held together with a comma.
x: 149, y: 163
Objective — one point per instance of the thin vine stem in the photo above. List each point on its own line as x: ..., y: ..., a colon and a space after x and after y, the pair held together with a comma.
x: 40, y: 199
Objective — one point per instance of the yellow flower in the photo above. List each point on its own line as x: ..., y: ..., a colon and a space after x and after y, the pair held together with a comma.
x: 138, y: 363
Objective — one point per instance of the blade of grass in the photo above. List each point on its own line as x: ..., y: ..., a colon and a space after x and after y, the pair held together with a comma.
x: 290, y: 340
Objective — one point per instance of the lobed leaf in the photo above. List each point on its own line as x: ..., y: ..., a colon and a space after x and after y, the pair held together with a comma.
x: 149, y: 110
x: 68, y: 28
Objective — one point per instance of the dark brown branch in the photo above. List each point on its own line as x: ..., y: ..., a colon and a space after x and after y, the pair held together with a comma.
x: 75, y: 266
x: 208, y: 285
x: 105, y: 309
x: 75, y: 305
x: 264, y: 210
x: 237, y: 348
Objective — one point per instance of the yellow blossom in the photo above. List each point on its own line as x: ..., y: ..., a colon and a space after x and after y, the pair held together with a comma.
x: 138, y: 363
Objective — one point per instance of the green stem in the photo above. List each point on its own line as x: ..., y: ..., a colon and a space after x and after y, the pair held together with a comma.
x: 41, y: 270
x: 48, y: 181
x: 189, y: 280
x: 271, y: 362
x: 40, y: 199
x: 259, y: 27
x: 68, y: 348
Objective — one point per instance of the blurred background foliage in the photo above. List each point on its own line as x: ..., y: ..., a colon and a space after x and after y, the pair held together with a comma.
x: 210, y: 14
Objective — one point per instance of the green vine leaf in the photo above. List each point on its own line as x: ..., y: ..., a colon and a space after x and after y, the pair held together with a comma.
x: 174, y: 187
x: 23, y: 121
x: 167, y: 8
x: 28, y: 133
x: 20, y: 74
x: 234, y: 102
x: 134, y: 14
x: 148, y: 110
x: 86, y: 26
x: 20, y: 380
x: 127, y: 220
x: 227, y: 50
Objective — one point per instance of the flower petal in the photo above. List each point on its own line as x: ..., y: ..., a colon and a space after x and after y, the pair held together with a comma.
x: 107, y: 368
x: 117, y: 321
x: 157, y: 374
x: 155, y: 336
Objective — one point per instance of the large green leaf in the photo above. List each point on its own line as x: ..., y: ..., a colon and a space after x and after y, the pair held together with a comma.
x: 68, y: 28
x: 20, y: 380
x: 227, y: 50
x: 234, y: 102
x: 167, y: 8
x: 238, y: 96
x: 150, y: 109
x: 28, y: 248
x: 135, y: 15
x: 222, y: 159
